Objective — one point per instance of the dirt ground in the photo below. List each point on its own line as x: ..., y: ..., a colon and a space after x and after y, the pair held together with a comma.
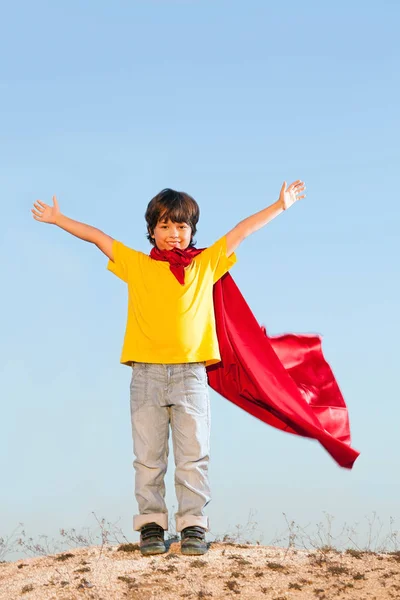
x: 226, y: 571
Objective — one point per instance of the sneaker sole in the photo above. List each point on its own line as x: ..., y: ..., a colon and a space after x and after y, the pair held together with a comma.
x: 193, y: 551
x: 153, y: 550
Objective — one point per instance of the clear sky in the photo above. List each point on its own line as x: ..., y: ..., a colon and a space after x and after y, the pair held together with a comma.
x: 106, y: 103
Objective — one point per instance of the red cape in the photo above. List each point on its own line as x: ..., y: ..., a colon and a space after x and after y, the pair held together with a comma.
x: 284, y: 381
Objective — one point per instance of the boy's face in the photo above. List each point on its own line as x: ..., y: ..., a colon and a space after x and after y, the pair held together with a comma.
x: 168, y: 235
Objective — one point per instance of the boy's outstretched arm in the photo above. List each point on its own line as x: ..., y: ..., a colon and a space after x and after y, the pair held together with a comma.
x: 287, y: 197
x: 51, y: 214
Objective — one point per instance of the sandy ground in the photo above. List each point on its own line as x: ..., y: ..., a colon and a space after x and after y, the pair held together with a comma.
x: 226, y: 571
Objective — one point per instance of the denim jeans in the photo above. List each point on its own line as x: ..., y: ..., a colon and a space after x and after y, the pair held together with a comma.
x: 176, y: 395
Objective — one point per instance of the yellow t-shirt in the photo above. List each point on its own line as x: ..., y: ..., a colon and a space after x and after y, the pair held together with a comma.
x: 169, y: 322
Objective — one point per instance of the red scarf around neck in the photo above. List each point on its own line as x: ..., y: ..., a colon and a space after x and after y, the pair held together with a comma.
x: 284, y: 380
x: 178, y: 259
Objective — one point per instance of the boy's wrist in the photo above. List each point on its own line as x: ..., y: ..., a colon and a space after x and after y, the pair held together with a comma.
x: 280, y: 204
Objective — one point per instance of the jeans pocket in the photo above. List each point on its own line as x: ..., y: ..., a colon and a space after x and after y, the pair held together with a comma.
x: 138, y: 385
x: 198, y: 372
x: 135, y: 372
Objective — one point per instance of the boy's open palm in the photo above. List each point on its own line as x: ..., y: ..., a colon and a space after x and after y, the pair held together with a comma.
x: 46, y: 213
x: 290, y: 195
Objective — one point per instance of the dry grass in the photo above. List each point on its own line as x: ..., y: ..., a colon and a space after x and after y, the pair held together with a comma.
x: 111, y: 573
x: 302, y: 565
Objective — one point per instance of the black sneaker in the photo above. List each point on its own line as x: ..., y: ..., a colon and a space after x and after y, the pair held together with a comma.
x: 152, y: 539
x: 193, y: 540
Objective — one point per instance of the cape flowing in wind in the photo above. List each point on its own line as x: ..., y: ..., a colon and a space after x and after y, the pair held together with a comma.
x: 284, y: 380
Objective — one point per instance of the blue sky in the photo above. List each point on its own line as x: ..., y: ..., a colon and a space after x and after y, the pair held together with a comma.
x: 104, y: 104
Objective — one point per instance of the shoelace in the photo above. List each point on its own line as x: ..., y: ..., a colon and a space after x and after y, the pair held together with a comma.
x: 151, y: 531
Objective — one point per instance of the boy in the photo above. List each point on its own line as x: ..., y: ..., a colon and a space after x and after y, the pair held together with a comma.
x: 170, y: 339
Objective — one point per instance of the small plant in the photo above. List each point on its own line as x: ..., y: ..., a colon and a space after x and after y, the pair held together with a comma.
x: 27, y: 588
x: 204, y: 594
x: 109, y: 533
x: 126, y: 579
x: 198, y: 563
x: 395, y: 555
x: 354, y: 553
x: 82, y: 570
x: 64, y: 557
x: 8, y: 544
x: 233, y: 586
x: 168, y: 569
x: 275, y: 566
x: 244, y: 535
x: 328, y: 550
x: 128, y: 548
x: 337, y: 570
x: 318, y: 561
x: 325, y: 537
x: 295, y: 586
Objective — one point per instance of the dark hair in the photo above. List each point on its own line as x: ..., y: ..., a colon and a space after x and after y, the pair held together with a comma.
x: 176, y: 206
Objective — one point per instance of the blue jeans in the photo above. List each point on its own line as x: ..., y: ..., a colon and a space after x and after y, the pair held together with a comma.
x: 176, y: 395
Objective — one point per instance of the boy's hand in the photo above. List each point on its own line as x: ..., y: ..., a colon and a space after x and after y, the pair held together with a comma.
x: 46, y: 213
x: 289, y: 196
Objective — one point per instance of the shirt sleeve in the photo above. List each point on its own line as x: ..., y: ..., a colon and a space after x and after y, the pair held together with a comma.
x: 124, y: 259
x: 217, y: 259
